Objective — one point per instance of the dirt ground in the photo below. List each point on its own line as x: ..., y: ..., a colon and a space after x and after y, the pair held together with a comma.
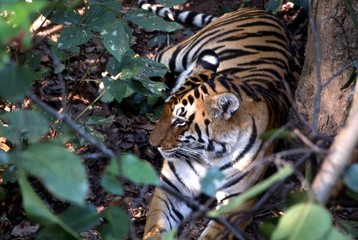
x: 128, y: 133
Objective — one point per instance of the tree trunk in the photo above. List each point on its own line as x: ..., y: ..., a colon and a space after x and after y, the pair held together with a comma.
x: 338, y: 47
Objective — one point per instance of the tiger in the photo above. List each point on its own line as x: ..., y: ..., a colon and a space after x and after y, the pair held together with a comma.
x: 234, y: 81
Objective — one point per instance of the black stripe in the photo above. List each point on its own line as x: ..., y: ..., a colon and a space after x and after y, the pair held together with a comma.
x: 198, y: 131
x: 246, y: 149
x: 232, y: 182
x: 169, y: 183
x: 175, y: 211
x: 172, y: 167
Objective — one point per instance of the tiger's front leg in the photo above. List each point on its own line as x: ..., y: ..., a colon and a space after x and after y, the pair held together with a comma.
x: 166, y: 213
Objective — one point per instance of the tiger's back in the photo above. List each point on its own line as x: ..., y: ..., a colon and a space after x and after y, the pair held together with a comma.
x: 236, y: 77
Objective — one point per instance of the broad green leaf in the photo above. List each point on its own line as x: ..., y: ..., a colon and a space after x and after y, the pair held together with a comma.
x: 273, y: 6
x: 114, y: 66
x: 352, y: 12
x: 80, y: 218
x: 170, y: 235
x: 59, y: 170
x: 117, y: 88
x: 116, y: 39
x: 23, y: 124
x: 33, y: 205
x: 64, y: 15
x: 169, y: 3
x: 10, y: 174
x: 351, y: 177
x: 109, y: 179
x: 266, y: 229
x: 137, y: 170
x: 143, y: 67
x: 117, y: 226
x: 17, y: 23
x: 15, y: 81
x: 304, y: 221
x: 2, y: 193
x: 296, y: 198
x: 100, y: 14
x: 150, y: 21
x: 210, y: 181
x: 277, y: 134
x: 252, y: 192
x: 99, y: 120
x: 37, y: 210
x: 157, y: 40
x: 56, y: 233
x: 71, y: 37
x: 107, y: 97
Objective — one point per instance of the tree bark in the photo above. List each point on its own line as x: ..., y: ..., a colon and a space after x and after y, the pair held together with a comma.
x: 337, y: 46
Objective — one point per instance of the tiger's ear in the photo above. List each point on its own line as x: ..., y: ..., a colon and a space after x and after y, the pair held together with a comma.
x: 223, y: 105
x: 208, y: 60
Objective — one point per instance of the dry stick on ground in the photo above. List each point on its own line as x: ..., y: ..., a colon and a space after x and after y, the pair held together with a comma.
x: 339, y: 155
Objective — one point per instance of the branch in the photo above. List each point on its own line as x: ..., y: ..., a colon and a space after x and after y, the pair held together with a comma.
x: 339, y: 155
x: 72, y: 124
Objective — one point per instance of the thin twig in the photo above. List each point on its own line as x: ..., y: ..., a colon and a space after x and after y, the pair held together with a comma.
x: 72, y: 124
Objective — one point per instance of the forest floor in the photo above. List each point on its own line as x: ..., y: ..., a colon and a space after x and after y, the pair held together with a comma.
x: 127, y: 132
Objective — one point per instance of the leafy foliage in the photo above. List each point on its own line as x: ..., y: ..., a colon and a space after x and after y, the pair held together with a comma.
x: 31, y: 151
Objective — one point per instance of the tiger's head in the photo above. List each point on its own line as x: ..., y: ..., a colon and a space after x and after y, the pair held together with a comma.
x: 200, y: 120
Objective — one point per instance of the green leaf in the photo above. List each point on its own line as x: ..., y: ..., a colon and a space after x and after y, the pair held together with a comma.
x: 137, y: 170
x: 273, y: 6
x: 210, y: 181
x: 277, y: 134
x: 157, y: 40
x: 100, y: 14
x: 114, y: 66
x: 296, y: 198
x: 71, y: 37
x: 350, y: 177
x: 33, y: 205
x: 64, y: 15
x: 17, y: 23
x: 140, y: 68
x: 2, y: 193
x: 10, y: 175
x: 80, y: 218
x: 24, y: 124
x: 252, y: 192
x: 99, y: 120
x: 54, y: 232
x: 38, y: 211
x: 169, y: 3
x: 116, y: 39
x: 59, y: 170
x: 151, y: 22
x: 117, y: 226
x: 15, y: 82
x: 304, y: 221
x: 117, y: 88
x: 109, y: 179
x: 170, y: 235
x: 267, y: 228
